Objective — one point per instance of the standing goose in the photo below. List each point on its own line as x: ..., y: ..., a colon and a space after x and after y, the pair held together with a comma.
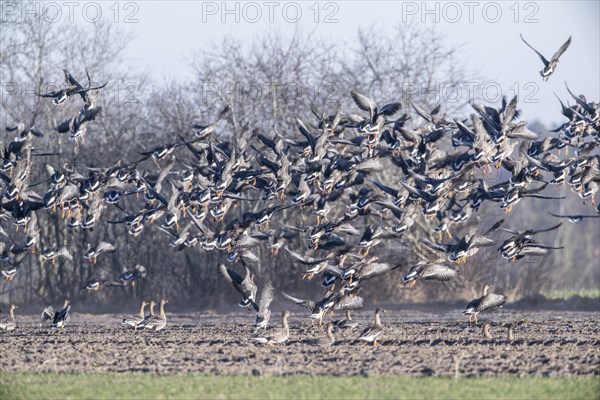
x: 549, y: 66
x: 8, y: 323
x: 152, y: 304
x: 135, y: 320
x: 373, y: 332
x: 280, y: 335
x: 156, y: 323
x: 346, y: 323
x: 428, y: 271
x: 487, y: 302
x: 329, y: 331
x: 487, y: 331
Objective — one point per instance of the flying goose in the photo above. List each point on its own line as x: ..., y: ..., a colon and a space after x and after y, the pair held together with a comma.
x: 245, y: 286
x: 428, y: 271
x: 340, y: 300
x: 92, y: 254
x: 549, y: 66
x: 574, y: 218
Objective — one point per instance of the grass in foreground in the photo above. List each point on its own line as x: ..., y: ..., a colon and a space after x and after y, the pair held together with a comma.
x: 149, y: 386
x: 567, y: 294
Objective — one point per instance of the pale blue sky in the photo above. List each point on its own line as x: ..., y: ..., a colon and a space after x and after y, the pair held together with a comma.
x: 168, y: 32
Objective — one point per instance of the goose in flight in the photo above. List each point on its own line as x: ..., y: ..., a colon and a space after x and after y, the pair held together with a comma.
x: 549, y: 66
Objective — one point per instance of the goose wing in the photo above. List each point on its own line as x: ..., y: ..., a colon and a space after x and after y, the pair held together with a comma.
x: 472, y: 306
x: 48, y: 314
x: 533, y: 232
x: 481, y: 241
x: 546, y: 62
x: 248, y: 287
x: 441, y: 247
x: 573, y: 216
x: 391, y: 191
x: 390, y: 109
x: 560, y: 51
x: 375, y: 269
x: 438, y: 272
x: 306, y: 133
x: 231, y: 276
x: 266, y: 298
x: 307, y: 260
x: 364, y: 103
x: 490, y: 302
x: 105, y: 246
x: 61, y: 316
x: 304, y: 303
x: 349, y: 302
x: 371, y: 332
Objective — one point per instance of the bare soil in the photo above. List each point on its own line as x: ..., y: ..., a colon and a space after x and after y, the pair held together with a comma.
x: 415, y: 343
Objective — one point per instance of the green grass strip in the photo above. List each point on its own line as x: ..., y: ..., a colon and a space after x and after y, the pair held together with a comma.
x: 150, y: 386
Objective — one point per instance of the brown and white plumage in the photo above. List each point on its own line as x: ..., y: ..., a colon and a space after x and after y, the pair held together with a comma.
x: 50, y: 312
x: 156, y: 323
x: 549, y: 66
x: 346, y: 323
x: 151, y: 315
x: 92, y: 254
x: 332, y: 301
x: 134, y: 320
x: 487, y: 302
x: 8, y: 323
x: 279, y: 335
x: 264, y: 306
x: 429, y: 271
x: 369, y: 269
x: 62, y: 317
x: 373, y: 332
x: 245, y: 285
x: 47, y: 315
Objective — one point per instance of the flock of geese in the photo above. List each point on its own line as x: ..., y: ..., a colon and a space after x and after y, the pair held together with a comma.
x: 437, y: 168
